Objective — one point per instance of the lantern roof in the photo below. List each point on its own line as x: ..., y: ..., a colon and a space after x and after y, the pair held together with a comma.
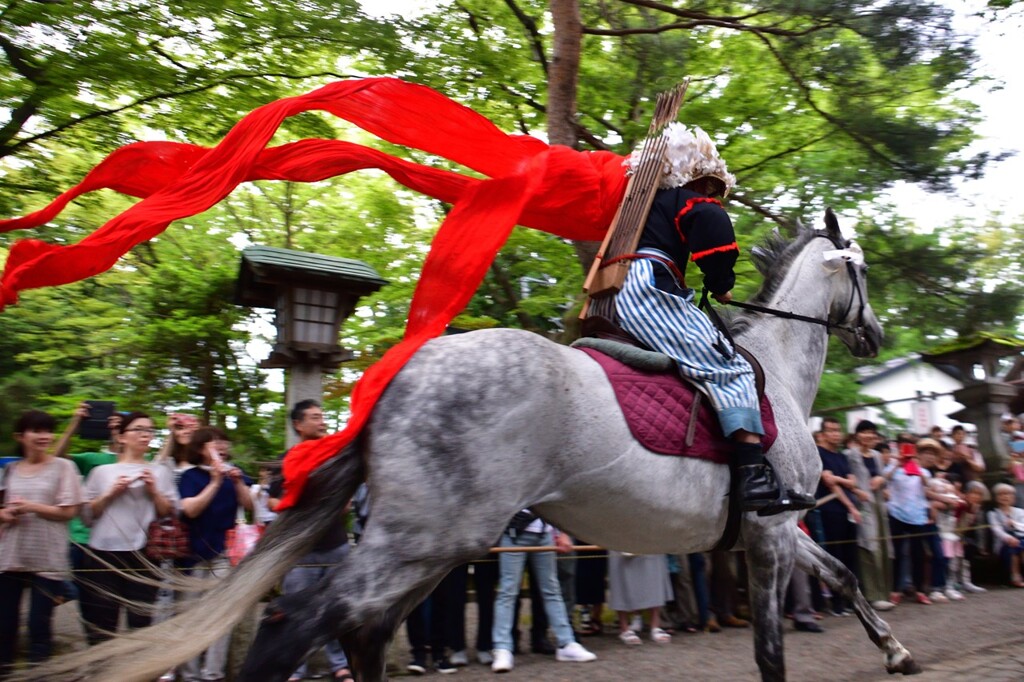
x: 265, y: 269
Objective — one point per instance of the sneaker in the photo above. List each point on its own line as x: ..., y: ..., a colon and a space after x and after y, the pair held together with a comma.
x: 971, y: 588
x: 574, y: 652
x: 922, y: 598
x: 445, y: 667
x: 882, y: 605
x: 895, y: 598
x: 953, y: 594
x: 460, y: 658
x: 484, y: 657
x: 417, y: 666
x: 937, y: 597
x: 502, y: 661
x: 840, y: 613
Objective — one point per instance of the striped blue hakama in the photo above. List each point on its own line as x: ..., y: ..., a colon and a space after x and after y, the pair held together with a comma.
x: 673, y: 325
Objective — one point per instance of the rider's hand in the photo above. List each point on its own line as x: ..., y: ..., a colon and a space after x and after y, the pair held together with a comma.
x: 723, y: 298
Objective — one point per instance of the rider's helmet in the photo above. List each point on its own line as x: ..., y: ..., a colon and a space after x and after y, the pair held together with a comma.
x: 690, y: 155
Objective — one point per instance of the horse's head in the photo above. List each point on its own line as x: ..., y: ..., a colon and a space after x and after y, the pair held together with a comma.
x: 850, y: 316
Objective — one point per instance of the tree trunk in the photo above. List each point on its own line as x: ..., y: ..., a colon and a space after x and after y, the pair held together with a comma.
x: 562, y: 80
x: 564, y: 72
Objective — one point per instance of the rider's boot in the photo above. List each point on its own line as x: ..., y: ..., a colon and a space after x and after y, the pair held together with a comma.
x: 759, y: 487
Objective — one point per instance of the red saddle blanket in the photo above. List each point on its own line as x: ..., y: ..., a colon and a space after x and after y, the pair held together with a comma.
x: 658, y: 406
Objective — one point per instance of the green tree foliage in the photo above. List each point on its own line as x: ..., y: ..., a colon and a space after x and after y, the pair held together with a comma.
x: 813, y: 104
x: 91, y: 75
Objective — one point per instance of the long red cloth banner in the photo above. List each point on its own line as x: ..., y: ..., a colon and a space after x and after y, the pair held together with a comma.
x: 528, y: 182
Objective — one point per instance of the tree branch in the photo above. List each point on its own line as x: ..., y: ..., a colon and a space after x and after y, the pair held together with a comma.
x: 512, y: 297
x: 532, y: 32
x: 21, y: 63
x: 806, y: 90
x: 786, y: 152
x: 7, y: 150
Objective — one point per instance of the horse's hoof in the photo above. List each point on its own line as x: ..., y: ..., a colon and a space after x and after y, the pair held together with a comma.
x: 906, y: 666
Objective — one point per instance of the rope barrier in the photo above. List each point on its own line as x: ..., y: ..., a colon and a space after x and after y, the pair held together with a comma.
x: 495, y: 551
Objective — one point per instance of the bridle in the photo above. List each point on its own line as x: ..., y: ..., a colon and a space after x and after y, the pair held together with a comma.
x: 859, y: 330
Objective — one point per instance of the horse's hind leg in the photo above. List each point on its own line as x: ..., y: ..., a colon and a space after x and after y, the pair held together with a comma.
x: 816, y: 561
x: 769, y: 565
x: 398, y: 561
x: 367, y: 644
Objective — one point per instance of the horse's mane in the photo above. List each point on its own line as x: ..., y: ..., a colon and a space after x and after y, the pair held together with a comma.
x: 772, y: 258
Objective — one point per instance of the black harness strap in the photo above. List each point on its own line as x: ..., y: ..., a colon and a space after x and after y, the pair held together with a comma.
x: 731, y: 532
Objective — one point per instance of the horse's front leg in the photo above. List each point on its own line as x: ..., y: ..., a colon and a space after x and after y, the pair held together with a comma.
x: 816, y: 561
x: 769, y: 564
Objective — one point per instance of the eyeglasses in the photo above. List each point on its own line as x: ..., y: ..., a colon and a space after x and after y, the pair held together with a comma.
x: 140, y: 429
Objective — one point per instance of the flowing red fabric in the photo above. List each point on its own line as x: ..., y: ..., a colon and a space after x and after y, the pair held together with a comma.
x: 528, y: 182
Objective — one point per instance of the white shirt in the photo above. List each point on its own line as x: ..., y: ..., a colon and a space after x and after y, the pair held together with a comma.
x: 123, y: 525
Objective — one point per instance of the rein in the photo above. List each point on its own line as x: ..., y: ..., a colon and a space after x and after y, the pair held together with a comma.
x: 829, y: 325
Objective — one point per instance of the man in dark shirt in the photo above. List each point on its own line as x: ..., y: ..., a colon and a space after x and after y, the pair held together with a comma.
x: 839, y: 515
x: 687, y: 222
x: 967, y: 464
x: 308, y: 422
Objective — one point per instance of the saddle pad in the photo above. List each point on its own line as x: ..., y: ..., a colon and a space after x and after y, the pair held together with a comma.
x: 657, y: 408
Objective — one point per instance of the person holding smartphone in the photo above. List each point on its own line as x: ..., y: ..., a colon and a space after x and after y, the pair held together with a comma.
x: 211, y: 492
x: 123, y: 498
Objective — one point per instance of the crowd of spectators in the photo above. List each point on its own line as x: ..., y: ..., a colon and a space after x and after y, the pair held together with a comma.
x: 912, y: 518
x: 76, y: 526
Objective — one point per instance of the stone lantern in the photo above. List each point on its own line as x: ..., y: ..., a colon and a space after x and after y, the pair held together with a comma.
x: 311, y: 295
x: 985, y: 399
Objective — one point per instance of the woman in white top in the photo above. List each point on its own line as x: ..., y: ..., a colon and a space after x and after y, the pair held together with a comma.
x: 123, y: 499
x: 41, y: 494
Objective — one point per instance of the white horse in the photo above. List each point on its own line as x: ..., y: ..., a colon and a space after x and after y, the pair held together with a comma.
x: 480, y: 425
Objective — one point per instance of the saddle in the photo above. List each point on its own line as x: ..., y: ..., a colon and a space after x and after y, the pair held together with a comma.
x: 666, y: 413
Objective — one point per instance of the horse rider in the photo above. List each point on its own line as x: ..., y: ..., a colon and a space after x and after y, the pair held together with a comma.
x: 687, y: 222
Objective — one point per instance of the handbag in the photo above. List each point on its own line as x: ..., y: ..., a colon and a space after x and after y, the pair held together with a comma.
x: 240, y: 540
x: 167, y: 538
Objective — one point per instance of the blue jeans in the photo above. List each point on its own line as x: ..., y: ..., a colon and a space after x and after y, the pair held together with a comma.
x: 210, y: 664
x: 301, y: 577
x: 917, y: 536
x: 545, y: 570
x: 699, y: 580
x: 44, y: 594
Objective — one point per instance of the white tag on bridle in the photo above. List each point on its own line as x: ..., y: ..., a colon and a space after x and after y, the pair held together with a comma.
x: 852, y: 254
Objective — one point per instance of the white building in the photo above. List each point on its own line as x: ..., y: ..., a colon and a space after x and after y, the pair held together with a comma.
x: 918, y: 391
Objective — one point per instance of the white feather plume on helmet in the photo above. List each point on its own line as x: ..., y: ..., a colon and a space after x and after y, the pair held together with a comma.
x: 690, y: 155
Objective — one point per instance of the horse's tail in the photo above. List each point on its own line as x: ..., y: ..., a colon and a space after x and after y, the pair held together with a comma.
x: 148, y: 653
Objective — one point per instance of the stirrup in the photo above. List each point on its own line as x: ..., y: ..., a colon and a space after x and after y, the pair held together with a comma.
x: 788, y: 500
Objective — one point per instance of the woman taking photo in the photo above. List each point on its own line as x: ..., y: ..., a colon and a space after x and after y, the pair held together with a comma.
x: 40, y: 495
x: 122, y: 500
x: 174, y: 453
x: 211, y: 493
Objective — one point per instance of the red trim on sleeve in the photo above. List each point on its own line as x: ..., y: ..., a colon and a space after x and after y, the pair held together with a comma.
x: 718, y: 249
x: 688, y: 206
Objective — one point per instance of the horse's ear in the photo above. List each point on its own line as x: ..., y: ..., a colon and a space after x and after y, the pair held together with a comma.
x: 832, y: 224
